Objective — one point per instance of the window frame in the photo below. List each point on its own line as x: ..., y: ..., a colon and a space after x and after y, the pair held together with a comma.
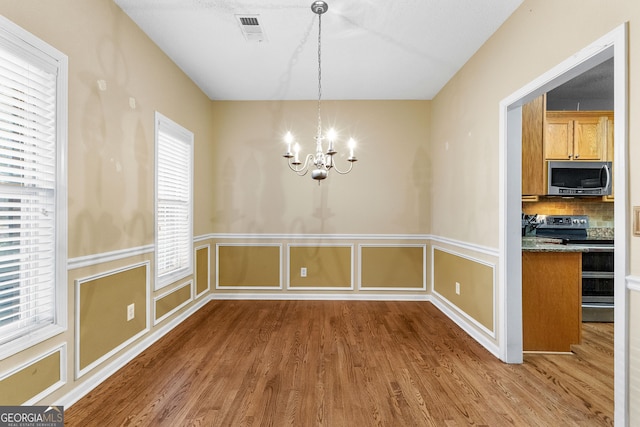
x: 33, y: 49
x: 185, y: 136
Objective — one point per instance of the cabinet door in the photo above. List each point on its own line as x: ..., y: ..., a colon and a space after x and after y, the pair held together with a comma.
x: 533, y: 171
x: 589, y: 137
x: 558, y: 144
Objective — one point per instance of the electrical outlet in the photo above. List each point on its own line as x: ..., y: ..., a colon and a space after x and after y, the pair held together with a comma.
x: 457, y: 288
x: 303, y: 272
x: 131, y: 312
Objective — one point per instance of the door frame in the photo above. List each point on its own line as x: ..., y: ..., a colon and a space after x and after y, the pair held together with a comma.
x: 613, y: 44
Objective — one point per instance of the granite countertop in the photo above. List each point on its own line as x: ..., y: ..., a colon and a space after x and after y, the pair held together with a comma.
x: 544, y: 244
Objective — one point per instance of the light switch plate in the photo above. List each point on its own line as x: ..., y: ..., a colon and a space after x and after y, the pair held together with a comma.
x: 636, y: 220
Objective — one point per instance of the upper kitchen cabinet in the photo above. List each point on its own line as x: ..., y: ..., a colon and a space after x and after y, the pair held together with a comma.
x: 533, y: 170
x: 576, y: 135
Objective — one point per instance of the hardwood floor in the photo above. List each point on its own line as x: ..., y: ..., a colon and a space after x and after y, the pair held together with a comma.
x: 346, y: 363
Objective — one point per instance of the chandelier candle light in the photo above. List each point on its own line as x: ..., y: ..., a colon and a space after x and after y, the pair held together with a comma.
x: 322, y: 161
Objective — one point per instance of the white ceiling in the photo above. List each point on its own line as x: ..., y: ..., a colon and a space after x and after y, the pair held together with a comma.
x: 371, y: 49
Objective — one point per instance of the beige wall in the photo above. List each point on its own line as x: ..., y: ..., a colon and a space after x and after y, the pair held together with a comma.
x: 387, y: 191
x: 111, y: 145
x: 110, y: 173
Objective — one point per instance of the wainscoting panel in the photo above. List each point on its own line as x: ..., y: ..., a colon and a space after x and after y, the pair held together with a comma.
x: 327, y: 266
x: 248, y: 266
x: 393, y: 267
x: 172, y: 301
x: 35, y: 379
x: 203, y: 269
x: 102, y: 328
x: 476, y: 283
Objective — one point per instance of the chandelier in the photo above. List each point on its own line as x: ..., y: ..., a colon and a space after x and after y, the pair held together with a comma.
x: 322, y: 161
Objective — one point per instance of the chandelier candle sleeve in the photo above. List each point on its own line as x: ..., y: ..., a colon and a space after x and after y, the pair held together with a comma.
x: 322, y: 161
x: 288, y: 139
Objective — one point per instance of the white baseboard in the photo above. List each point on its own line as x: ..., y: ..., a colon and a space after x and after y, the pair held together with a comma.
x: 468, y: 327
x: 321, y: 297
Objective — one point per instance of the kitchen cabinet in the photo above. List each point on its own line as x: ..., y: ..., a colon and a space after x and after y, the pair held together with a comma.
x: 533, y: 170
x: 576, y: 135
x: 551, y: 300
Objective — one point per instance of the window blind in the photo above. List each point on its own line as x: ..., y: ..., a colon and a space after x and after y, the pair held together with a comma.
x: 27, y: 194
x: 174, y: 239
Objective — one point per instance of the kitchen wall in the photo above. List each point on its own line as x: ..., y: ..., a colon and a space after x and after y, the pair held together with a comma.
x: 600, y: 213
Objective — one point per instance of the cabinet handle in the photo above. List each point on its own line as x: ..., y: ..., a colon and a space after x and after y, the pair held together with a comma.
x: 577, y: 155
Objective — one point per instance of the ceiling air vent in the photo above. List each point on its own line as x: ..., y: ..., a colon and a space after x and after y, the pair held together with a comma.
x: 251, y: 28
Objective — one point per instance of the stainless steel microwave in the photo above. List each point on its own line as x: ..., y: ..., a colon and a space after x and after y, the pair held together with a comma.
x: 579, y: 178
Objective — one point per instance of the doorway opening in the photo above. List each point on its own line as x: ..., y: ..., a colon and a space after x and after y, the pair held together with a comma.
x: 612, y: 45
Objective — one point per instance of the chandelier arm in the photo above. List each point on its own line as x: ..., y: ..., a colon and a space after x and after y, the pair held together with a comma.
x: 335, y: 167
x: 302, y: 171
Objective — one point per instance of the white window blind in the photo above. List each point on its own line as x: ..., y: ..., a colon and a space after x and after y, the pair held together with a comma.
x: 29, y: 105
x: 174, y: 236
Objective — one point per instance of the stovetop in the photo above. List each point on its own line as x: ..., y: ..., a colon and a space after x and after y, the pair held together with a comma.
x: 572, y: 229
x: 566, y: 227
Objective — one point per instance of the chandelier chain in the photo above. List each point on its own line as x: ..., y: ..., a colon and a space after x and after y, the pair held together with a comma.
x: 319, y: 72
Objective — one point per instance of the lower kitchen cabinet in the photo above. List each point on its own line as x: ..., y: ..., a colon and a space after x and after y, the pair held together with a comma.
x: 551, y: 300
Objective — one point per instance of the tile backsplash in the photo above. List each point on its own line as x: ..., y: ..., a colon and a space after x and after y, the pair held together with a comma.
x: 600, y: 213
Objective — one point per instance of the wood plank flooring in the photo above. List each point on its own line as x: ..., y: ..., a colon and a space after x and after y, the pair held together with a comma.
x: 346, y: 363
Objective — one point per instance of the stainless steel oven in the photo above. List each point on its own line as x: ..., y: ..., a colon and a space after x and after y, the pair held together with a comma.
x: 597, y: 263
x: 597, y: 283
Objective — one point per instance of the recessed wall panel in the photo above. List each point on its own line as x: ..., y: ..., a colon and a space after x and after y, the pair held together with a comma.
x: 399, y: 267
x: 202, y: 270
x: 324, y: 266
x: 20, y: 386
x: 171, y: 301
x: 102, y: 324
x: 248, y: 266
x: 466, y: 283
